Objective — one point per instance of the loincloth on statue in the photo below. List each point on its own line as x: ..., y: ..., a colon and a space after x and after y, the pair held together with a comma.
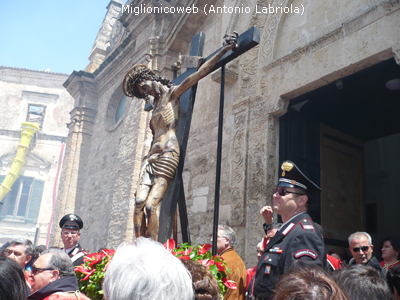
x: 159, y: 165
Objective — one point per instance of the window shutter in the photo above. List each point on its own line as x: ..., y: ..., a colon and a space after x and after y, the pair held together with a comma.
x: 36, y: 198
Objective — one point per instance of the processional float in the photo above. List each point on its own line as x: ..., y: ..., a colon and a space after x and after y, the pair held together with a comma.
x: 28, y: 130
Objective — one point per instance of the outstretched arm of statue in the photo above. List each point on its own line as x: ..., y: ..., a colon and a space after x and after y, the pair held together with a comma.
x: 229, y: 43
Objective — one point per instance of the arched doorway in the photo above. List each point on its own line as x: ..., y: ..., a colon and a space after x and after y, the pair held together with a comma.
x: 346, y: 136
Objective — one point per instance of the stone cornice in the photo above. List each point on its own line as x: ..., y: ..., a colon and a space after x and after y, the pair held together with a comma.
x: 40, y: 97
x: 231, y: 76
x: 346, y: 29
x: 30, y: 70
x: 40, y: 136
x: 275, y: 108
x: 76, y: 74
x: 306, y: 50
x: 39, y: 78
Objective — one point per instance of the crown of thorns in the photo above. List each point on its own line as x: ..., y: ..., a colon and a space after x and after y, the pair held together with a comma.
x: 137, y: 73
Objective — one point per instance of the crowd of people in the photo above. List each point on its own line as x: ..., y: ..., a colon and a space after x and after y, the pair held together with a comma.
x: 292, y: 262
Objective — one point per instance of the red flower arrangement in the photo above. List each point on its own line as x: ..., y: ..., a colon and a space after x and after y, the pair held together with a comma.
x: 90, y: 274
x: 202, y: 254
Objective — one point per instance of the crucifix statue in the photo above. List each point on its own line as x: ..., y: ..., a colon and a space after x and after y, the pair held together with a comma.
x: 161, y: 162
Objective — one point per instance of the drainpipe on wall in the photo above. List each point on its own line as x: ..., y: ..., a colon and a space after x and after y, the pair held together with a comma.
x: 55, y: 194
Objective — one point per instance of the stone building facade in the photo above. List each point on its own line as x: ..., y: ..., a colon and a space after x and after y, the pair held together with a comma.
x: 35, y: 96
x: 309, y: 52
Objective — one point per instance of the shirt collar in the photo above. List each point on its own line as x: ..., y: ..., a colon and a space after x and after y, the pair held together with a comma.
x: 303, y: 212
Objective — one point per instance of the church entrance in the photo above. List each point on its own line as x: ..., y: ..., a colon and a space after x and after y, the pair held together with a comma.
x: 346, y: 137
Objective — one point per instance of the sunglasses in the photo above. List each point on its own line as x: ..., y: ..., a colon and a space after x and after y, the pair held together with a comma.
x: 363, y: 248
x: 36, y: 270
x: 283, y: 192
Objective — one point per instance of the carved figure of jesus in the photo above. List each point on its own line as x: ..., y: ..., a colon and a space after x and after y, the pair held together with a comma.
x: 162, y: 160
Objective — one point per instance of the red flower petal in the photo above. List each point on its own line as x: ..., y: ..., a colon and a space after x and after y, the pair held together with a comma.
x: 204, y: 248
x: 170, y: 244
x: 206, y: 262
x: 82, y: 269
x: 88, y: 275
x: 108, y: 252
x: 184, y: 257
x: 220, y: 266
x: 95, y: 258
x: 89, y: 257
x: 229, y: 283
x: 186, y: 252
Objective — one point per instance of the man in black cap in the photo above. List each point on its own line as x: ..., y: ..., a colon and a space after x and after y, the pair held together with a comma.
x: 297, y: 239
x: 71, y: 225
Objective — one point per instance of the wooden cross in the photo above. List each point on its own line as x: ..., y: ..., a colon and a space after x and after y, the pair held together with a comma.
x: 175, y: 193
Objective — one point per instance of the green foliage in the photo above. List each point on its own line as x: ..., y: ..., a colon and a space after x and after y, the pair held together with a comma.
x: 202, y: 254
x: 91, y: 273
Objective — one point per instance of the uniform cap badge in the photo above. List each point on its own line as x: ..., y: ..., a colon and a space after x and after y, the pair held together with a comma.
x: 286, y: 166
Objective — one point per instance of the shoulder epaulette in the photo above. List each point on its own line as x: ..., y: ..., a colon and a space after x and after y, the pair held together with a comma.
x: 307, y: 225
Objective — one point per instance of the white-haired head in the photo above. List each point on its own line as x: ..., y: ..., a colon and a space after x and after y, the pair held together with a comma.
x: 359, y: 235
x: 145, y: 270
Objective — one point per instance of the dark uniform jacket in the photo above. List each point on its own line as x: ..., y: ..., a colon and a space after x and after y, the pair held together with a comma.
x: 64, y: 288
x: 77, y: 254
x: 297, y: 239
x: 373, y: 262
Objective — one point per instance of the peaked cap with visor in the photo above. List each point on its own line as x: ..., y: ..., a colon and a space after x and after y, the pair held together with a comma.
x: 71, y: 221
x: 291, y: 176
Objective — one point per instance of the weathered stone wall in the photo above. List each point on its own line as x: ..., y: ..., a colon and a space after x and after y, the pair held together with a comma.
x: 297, y: 54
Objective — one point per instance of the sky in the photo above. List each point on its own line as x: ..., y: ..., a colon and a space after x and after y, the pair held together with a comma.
x: 44, y: 34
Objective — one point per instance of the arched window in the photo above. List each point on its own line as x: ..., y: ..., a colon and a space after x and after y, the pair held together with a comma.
x: 120, y: 108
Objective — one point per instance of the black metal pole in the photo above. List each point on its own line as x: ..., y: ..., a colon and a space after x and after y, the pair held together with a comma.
x: 219, y: 152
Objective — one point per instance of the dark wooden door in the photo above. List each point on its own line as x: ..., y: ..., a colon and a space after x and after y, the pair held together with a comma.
x: 342, y: 182
x: 334, y: 161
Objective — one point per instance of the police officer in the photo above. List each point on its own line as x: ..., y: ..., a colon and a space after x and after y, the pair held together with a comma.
x: 298, y: 238
x: 71, y: 225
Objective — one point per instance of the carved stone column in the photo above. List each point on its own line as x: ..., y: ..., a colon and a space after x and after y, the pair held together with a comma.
x: 80, y: 85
